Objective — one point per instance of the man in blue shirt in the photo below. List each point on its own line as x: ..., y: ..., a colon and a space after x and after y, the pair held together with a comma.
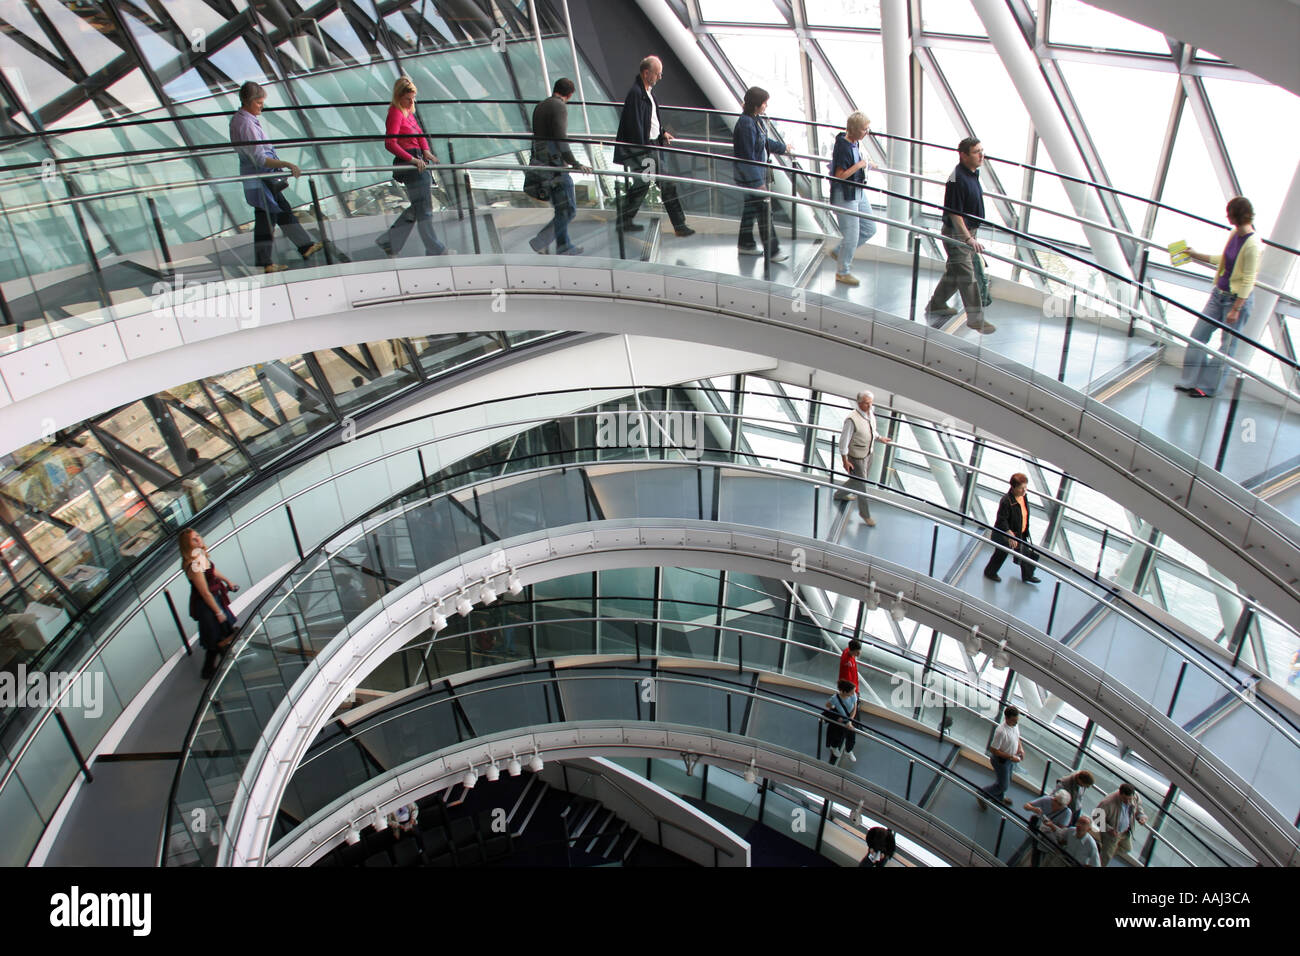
x: 963, y: 212
x: 266, y: 195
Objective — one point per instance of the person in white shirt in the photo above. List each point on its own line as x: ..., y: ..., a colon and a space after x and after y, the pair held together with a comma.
x: 857, y: 439
x: 1005, y: 750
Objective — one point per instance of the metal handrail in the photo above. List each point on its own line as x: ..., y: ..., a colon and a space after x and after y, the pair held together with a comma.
x: 1091, y: 294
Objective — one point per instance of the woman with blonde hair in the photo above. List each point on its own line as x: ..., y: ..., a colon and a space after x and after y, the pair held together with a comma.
x: 849, y: 167
x: 406, y: 141
x: 209, y: 599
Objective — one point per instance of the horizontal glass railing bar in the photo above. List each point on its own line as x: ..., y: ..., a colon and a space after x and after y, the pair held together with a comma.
x: 878, y: 747
x: 1134, y: 309
x: 1045, y: 745
x: 69, y: 166
x: 343, y: 474
x: 477, y: 503
x: 1209, y: 660
x: 729, y: 116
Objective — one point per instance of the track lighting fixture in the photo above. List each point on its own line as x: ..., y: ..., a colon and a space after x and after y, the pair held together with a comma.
x: 380, y: 822
x: 899, y: 610
x: 872, y: 600
x: 973, y: 641
x: 1001, y: 659
x: 513, y: 585
x: 470, y: 778
x: 463, y: 604
x: 514, y: 767
x: 493, y: 772
x: 487, y: 594
x: 751, y: 773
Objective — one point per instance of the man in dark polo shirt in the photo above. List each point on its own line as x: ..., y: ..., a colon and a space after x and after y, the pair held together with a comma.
x: 963, y: 213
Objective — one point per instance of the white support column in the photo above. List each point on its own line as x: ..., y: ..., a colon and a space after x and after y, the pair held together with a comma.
x: 683, y: 43
x: 541, y: 50
x: 1022, y: 66
x: 1275, y: 265
x: 897, y: 48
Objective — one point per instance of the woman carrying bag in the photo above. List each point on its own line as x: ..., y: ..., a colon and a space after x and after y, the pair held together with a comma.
x: 406, y: 141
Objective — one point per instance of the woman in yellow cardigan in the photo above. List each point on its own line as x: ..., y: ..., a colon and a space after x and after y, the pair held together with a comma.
x: 1230, y: 301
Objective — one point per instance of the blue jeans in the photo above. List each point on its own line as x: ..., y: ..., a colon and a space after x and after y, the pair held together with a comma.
x: 419, y: 190
x: 1201, y: 369
x: 565, y: 202
x: 999, y: 789
x: 856, y: 231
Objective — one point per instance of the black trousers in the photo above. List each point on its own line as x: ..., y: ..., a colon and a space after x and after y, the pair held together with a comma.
x: 999, y: 556
x: 638, y: 186
x: 264, y: 224
x: 756, y: 207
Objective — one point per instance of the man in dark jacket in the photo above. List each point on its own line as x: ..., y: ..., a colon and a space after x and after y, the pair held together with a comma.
x: 550, y: 140
x: 639, y: 131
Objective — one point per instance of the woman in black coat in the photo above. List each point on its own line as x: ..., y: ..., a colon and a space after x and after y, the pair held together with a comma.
x: 1011, y: 530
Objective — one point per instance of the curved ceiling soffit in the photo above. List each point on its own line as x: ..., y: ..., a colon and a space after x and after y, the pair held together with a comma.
x: 1195, y: 505
x: 542, y: 556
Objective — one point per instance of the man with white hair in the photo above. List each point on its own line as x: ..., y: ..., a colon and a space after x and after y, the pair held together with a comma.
x: 857, y: 439
x: 1048, y: 813
x: 1078, y: 844
x: 639, y: 132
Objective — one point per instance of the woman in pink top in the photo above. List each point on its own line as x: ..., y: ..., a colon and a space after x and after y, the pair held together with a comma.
x: 406, y: 141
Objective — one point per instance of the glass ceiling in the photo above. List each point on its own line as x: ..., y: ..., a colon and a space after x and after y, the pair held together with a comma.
x: 1148, y: 114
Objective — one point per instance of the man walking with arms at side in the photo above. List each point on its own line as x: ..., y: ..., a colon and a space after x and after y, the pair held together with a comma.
x: 639, y: 132
x: 963, y: 212
x: 1005, y: 751
x: 550, y: 138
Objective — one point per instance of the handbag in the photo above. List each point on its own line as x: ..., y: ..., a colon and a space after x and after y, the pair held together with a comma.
x: 537, y: 182
x: 982, y: 280
x: 277, y: 185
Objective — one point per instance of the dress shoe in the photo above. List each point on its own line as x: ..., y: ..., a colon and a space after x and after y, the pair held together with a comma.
x: 946, y: 311
x: 869, y: 522
x: 1033, y: 579
x: 633, y: 227
x: 993, y: 577
x: 275, y: 267
x: 846, y: 278
x: 983, y: 328
x: 311, y: 250
x: 684, y: 231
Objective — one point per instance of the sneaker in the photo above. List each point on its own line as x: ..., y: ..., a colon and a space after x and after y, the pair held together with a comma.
x: 311, y: 250
x: 633, y: 227
x: 1199, y: 393
x: 778, y: 256
x: 1182, y: 388
x: 438, y: 250
x: 869, y: 522
x: 983, y: 328
x: 853, y: 756
x: 683, y: 231
x: 1033, y: 579
x: 539, y: 247
x: 275, y: 267
x: 569, y: 251
x: 834, y: 254
x: 946, y: 311
x: 749, y: 250
x: 993, y: 577
x: 847, y: 278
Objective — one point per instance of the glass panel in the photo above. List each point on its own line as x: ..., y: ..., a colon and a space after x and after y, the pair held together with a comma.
x: 1079, y: 24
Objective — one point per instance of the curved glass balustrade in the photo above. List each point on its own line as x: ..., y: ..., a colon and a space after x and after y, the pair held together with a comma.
x: 254, y: 538
x: 735, y: 703
x: 1112, y: 349
x: 501, y: 508
x: 554, y: 619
